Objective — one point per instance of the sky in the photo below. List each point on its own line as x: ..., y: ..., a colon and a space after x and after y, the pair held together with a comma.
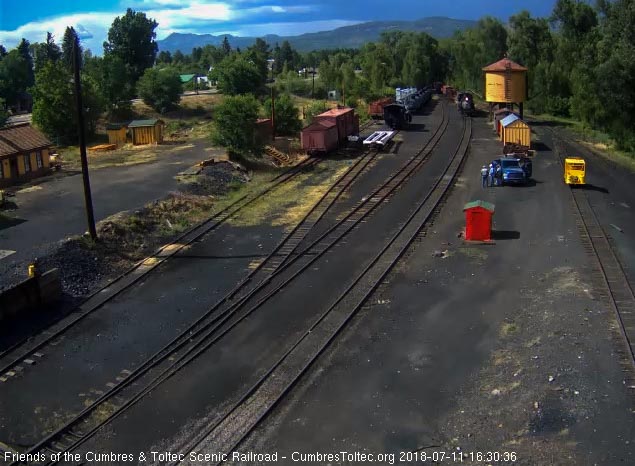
x: 31, y: 19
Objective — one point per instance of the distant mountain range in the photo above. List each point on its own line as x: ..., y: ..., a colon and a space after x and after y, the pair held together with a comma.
x: 344, y: 37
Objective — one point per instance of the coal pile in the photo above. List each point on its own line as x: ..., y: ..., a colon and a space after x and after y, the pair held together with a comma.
x: 215, y: 179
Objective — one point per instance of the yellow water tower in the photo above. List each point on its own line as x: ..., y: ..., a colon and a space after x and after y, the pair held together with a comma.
x: 505, y: 84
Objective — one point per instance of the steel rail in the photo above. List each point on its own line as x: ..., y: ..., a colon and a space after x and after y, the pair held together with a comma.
x: 216, y: 220
x: 232, y: 418
x: 186, y: 336
x: 82, y: 437
x: 606, y: 259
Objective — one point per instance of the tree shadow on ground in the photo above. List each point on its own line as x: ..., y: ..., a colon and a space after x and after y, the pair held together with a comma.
x: 9, y: 222
x: 540, y: 146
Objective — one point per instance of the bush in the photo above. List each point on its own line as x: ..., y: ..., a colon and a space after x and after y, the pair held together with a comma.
x: 235, y: 124
x: 160, y: 89
x: 314, y: 108
x: 287, y: 121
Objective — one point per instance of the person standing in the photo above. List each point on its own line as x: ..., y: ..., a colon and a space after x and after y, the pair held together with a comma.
x: 484, y: 175
x: 492, y: 172
x: 499, y: 175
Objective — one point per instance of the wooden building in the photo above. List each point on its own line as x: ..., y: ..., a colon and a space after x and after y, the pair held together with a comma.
x: 146, y: 131
x: 505, y: 84
x: 515, y: 131
x: 117, y: 133
x: 24, y: 154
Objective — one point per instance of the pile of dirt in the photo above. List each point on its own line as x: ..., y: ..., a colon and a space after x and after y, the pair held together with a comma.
x: 124, y: 239
x: 214, y: 179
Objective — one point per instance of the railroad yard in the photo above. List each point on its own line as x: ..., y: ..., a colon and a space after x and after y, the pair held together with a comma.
x: 355, y: 317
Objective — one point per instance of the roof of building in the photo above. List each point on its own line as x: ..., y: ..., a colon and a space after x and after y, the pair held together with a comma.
x: 336, y: 112
x: 114, y: 126
x: 21, y: 138
x: 503, y: 65
x: 261, y: 121
x: 509, y: 119
x: 319, y: 125
x: 186, y: 77
x: 141, y: 123
x: 483, y: 204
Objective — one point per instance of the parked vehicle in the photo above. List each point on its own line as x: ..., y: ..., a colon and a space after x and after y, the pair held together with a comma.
x: 574, y: 171
x: 515, y: 170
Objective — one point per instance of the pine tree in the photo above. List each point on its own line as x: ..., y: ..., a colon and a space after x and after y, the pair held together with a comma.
x: 70, y: 39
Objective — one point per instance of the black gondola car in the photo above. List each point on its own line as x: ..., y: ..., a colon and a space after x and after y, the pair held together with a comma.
x: 397, y: 116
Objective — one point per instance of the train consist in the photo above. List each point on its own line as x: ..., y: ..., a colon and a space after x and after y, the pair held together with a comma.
x: 465, y: 103
x: 329, y: 130
x: 332, y: 129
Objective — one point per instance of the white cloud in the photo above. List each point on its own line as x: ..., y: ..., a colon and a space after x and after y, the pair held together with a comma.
x: 196, y: 16
x: 92, y: 28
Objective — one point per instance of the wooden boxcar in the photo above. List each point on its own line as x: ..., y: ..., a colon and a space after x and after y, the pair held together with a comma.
x: 320, y: 137
x: 344, y: 119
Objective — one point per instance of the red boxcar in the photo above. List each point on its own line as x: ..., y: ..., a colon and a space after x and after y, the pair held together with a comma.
x: 320, y: 137
x: 376, y: 108
x: 343, y: 118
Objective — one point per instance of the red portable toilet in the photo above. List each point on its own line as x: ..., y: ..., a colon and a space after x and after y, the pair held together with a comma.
x: 478, y: 220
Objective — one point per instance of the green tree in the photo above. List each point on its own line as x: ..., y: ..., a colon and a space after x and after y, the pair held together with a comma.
x: 235, y: 124
x: 617, y: 49
x: 132, y: 38
x: 25, y: 52
x: 287, y: 121
x: 45, y: 51
x: 314, y: 108
x: 160, y: 89
x: 225, y: 47
x: 54, y: 109
x: 3, y: 113
x: 164, y: 57
x: 14, y: 76
x: 237, y: 75
x: 70, y: 38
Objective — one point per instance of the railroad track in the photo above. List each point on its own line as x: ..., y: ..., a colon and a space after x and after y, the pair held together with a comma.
x: 226, y: 434
x: 609, y: 276
x: 9, y: 361
x: 196, y: 339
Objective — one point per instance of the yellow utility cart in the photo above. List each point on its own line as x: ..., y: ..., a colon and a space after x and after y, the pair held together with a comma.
x: 574, y: 170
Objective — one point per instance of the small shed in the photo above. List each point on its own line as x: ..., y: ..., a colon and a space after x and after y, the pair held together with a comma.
x: 499, y: 115
x: 515, y: 131
x: 263, y: 131
x: 319, y: 137
x: 478, y: 220
x: 117, y: 133
x: 147, y: 131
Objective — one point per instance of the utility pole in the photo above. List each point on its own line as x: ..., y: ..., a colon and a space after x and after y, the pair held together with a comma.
x: 313, y: 88
x: 90, y: 216
x: 273, y: 114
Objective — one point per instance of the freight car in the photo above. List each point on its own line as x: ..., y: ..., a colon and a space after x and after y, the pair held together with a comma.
x: 376, y: 108
x: 329, y: 130
x: 397, y: 116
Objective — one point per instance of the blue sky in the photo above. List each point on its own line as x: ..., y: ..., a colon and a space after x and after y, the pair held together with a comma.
x: 92, y: 18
